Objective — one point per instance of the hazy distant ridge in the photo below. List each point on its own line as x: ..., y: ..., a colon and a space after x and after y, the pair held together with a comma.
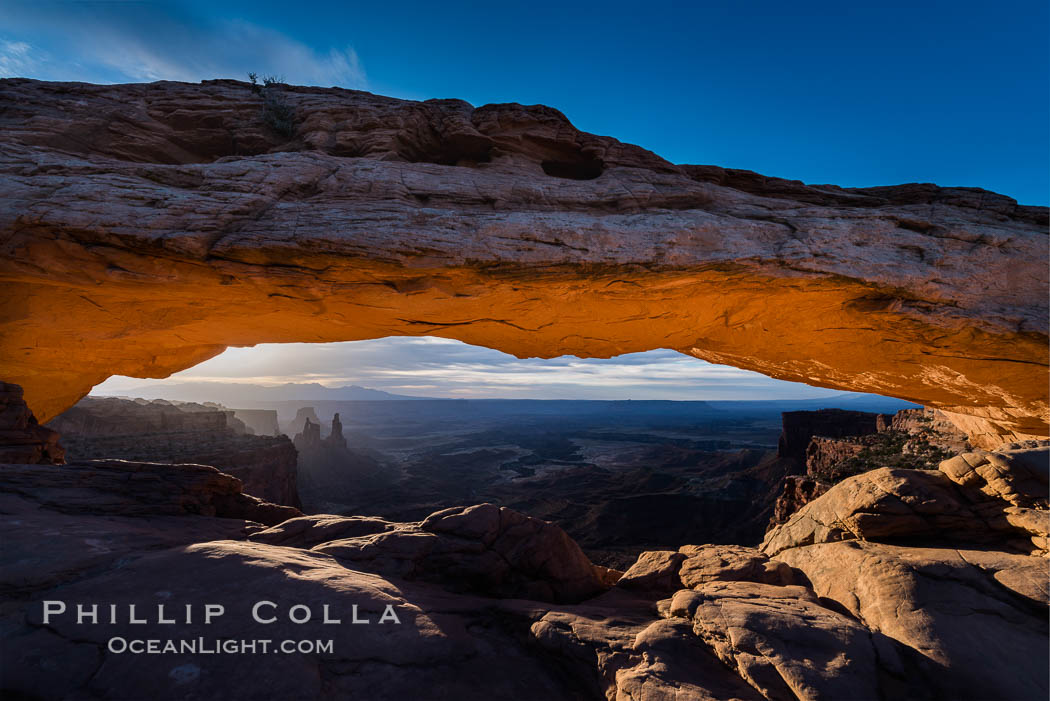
x: 233, y: 393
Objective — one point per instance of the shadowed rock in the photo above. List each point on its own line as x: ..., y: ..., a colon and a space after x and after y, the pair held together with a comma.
x: 852, y: 619
x: 22, y: 439
x: 483, y: 549
x: 973, y: 622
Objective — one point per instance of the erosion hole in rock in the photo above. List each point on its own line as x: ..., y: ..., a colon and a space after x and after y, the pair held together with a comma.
x: 584, y: 169
x: 463, y: 151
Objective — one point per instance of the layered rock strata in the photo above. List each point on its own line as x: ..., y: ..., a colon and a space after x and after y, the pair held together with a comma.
x: 911, y: 438
x: 799, y: 428
x: 159, y: 431
x: 139, y: 222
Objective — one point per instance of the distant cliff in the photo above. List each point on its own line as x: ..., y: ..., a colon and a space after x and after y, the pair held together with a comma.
x: 801, y: 426
x: 161, y: 431
x: 841, y: 444
x: 261, y: 422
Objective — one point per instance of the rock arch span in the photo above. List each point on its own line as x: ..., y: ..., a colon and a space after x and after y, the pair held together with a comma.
x: 145, y: 228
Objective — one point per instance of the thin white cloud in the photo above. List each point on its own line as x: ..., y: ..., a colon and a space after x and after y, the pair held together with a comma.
x: 16, y: 59
x: 440, y: 367
x: 114, y: 42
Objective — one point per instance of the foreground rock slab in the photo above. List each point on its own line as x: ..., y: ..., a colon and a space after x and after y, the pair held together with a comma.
x: 484, y: 549
x: 973, y: 622
x: 123, y: 488
x: 827, y: 619
x: 782, y: 641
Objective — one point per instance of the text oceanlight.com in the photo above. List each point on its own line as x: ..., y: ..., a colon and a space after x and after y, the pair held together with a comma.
x: 214, y: 646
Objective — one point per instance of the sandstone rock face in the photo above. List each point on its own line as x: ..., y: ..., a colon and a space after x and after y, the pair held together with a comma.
x: 612, y: 648
x: 932, y: 425
x: 1018, y: 474
x: 695, y: 566
x: 910, y: 439
x: 308, y: 531
x: 823, y: 453
x: 782, y: 641
x: 973, y: 621
x: 160, y: 431
x: 22, y: 439
x: 655, y: 570
x: 729, y: 563
x: 139, y: 222
x: 958, y: 594
x: 795, y: 492
x: 996, y: 498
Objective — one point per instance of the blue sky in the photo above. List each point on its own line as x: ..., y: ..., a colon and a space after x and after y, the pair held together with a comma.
x: 855, y: 94
x: 825, y: 92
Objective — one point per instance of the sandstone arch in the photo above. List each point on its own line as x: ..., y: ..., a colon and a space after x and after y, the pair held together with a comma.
x: 146, y: 228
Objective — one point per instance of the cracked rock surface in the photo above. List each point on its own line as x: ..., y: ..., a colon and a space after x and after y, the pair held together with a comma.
x: 973, y: 497
x: 491, y: 605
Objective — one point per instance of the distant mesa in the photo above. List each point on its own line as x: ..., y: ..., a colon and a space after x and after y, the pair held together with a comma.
x: 304, y: 416
x: 261, y: 422
x: 181, y: 432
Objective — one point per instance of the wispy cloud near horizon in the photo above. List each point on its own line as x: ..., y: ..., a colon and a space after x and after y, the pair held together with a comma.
x: 109, y: 42
x: 439, y: 367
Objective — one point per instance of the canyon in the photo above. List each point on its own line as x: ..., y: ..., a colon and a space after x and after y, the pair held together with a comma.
x: 146, y: 228
x: 619, y: 477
